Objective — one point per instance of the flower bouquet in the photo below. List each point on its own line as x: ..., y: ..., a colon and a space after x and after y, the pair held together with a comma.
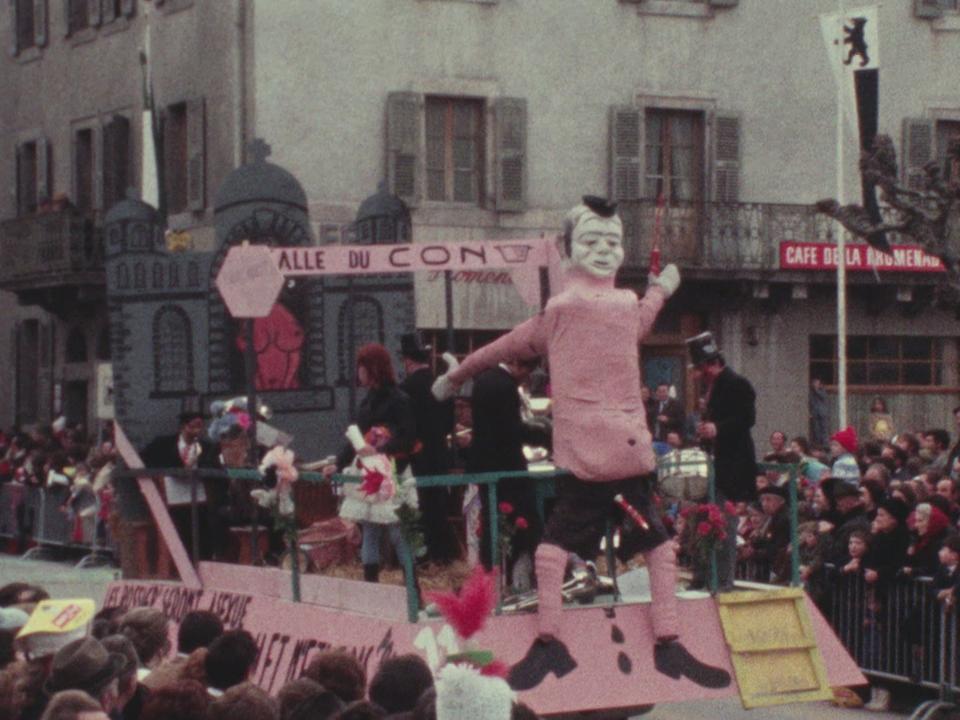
x: 708, y: 527
x: 276, y: 495
x: 380, y: 492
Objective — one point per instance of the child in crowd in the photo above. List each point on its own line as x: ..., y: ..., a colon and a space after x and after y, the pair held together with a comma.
x: 811, y: 559
x: 857, y: 547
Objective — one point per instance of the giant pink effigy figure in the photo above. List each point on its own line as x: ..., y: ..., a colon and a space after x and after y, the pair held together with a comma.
x: 591, y: 332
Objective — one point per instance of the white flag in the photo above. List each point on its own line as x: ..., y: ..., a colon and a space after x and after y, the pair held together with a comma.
x: 853, y: 44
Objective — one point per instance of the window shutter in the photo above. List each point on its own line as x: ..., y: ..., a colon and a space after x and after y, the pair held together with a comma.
x: 107, y: 163
x: 93, y: 13
x: 723, y: 3
x: 108, y: 10
x: 726, y: 156
x: 511, y: 162
x: 196, y: 160
x: 98, y: 171
x: 927, y: 9
x: 43, y: 171
x: 917, y: 149
x: 116, y: 160
x: 40, y: 22
x: 404, y: 131
x: 14, y: 21
x: 626, y: 153
x: 128, y: 7
x: 24, y: 190
x: 65, y: 6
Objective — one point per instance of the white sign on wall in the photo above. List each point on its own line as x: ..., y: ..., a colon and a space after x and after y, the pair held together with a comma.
x: 104, y: 391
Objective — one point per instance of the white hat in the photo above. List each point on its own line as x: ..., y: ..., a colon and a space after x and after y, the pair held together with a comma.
x: 463, y: 693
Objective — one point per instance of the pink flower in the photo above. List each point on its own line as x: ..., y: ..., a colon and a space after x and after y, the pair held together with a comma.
x: 703, y: 529
x: 505, y: 507
x: 521, y: 523
x: 372, y: 480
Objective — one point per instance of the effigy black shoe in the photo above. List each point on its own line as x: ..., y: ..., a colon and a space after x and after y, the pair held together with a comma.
x: 673, y: 660
x: 543, y: 657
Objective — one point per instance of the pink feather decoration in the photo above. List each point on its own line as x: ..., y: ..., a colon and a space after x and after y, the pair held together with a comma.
x: 468, y: 612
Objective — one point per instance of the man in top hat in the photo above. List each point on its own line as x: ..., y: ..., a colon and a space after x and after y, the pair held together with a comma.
x: 434, y: 421
x: 591, y: 332
x: 731, y: 413
x: 85, y: 664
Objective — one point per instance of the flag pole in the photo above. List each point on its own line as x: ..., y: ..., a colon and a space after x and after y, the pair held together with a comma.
x: 841, y: 269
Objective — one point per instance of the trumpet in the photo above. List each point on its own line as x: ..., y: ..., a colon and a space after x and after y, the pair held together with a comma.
x: 583, y: 587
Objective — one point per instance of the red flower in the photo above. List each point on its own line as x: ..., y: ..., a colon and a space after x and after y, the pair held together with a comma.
x: 521, y: 523
x: 372, y: 480
x: 729, y: 508
x: 505, y: 507
x: 703, y: 529
x: 687, y: 511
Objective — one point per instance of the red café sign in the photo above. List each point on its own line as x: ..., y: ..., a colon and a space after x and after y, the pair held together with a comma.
x: 824, y: 256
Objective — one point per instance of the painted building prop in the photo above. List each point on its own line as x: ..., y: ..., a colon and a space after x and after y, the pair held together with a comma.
x: 175, y: 345
x: 610, y: 664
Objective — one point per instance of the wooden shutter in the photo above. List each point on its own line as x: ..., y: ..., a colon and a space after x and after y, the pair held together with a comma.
x: 116, y: 160
x: 65, y: 6
x: 109, y: 11
x: 25, y: 182
x: 918, y: 150
x: 43, y: 171
x: 726, y: 158
x: 128, y: 7
x: 40, y: 23
x: 93, y: 13
x: 626, y: 153
x: 14, y: 47
x: 927, y: 9
x: 196, y: 155
x: 404, y: 133
x: 98, y: 170
x: 107, y: 166
x: 511, y: 160
x: 723, y: 3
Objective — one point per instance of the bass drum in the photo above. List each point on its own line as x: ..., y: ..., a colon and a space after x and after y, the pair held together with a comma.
x: 684, y: 474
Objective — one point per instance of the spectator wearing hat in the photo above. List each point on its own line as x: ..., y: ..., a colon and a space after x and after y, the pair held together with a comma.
x: 731, y: 413
x: 463, y: 692
x: 230, y: 660
x: 889, y: 540
x: 148, y: 630
x: 85, y: 664
x: 197, y: 630
x: 180, y: 700
x: 339, y: 672
x: 932, y: 528
x: 247, y: 702
x: 769, y: 544
x: 434, y: 421
x: 849, y: 517
x: 399, y: 682
x: 131, y: 695
x: 843, y: 452
x: 74, y: 705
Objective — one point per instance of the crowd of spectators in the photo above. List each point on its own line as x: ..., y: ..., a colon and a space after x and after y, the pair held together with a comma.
x: 73, y: 468
x: 124, y: 668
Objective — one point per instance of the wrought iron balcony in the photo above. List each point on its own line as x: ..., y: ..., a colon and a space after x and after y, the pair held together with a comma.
x: 51, y: 258
x: 718, y: 235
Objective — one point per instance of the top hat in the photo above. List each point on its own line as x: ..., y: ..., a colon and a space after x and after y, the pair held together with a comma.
x: 84, y: 664
x: 703, y: 348
x: 412, y: 347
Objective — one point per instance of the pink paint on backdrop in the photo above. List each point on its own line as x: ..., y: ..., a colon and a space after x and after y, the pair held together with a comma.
x: 613, y: 655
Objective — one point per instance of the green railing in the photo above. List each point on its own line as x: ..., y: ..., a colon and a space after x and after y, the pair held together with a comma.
x: 545, y: 488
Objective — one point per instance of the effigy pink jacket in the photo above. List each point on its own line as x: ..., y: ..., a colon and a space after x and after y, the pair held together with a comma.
x: 591, y: 334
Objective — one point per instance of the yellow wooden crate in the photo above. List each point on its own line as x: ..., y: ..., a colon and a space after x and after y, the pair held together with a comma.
x: 772, y: 646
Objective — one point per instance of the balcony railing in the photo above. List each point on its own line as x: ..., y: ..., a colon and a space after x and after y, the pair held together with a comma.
x: 720, y: 236
x: 51, y: 249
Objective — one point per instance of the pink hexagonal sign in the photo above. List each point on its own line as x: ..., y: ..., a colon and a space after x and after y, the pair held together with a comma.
x: 249, y: 281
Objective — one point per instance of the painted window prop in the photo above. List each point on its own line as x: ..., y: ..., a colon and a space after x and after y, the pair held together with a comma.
x: 173, y: 351
x: 368, y: 327
x: 885, y: 360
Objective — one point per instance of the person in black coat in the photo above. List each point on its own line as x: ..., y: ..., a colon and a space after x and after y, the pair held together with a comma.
x: 731, y: 413
x: 499, y: 434
x: 385, y: 405
x: 434, y: 421
x: 850, y: 516
x: 668, y: 414
x: 188, y: 449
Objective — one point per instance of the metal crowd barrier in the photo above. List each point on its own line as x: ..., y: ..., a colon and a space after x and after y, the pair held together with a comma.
x: 897, y: 631
x: 30, y: 514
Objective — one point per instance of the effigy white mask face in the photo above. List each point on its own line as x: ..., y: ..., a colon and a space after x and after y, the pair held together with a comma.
x: 597, y: 245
